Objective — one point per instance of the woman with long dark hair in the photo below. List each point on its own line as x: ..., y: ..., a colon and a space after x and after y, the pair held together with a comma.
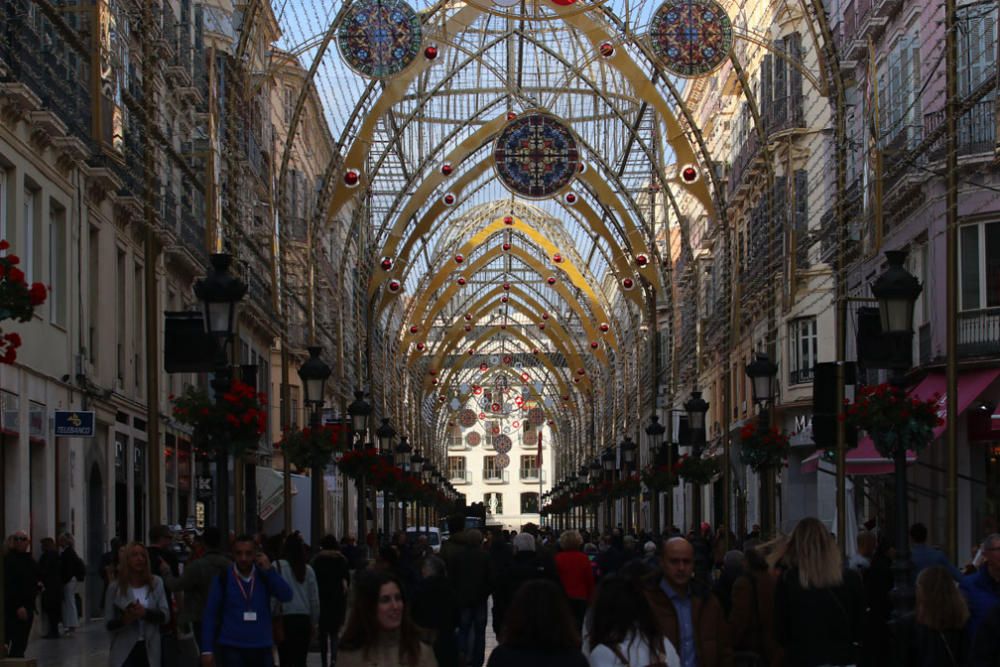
x: 379, y: 631
x: 300, y: 615
x: 135, y: 608
x: 539, y: 630
x: 333, y: 576
x: 623, y: 631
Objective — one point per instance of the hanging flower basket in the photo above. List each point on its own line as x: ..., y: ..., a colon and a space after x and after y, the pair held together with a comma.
x: 358, y: 463
x: 659, y: 478
x: 233, y: 424
x: 697, y: 471
x: 312, y: 447
x: 763, y: 449
x: 383, y: 475
x: 410, y: 488
x: 894, y: 421
x: 589, y: 497
x: 18, y: 301
x: 623, y: 488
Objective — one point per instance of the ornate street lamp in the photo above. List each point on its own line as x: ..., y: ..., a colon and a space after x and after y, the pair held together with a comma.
x: 762, y: 373
x: 897, y: 291
x: 654, y: 437
x: 385, y: 435
x: 359, y: 411
x: 220, y: 294
x: 417, y: 469
x: 696, y: 408
x: 314, y: 373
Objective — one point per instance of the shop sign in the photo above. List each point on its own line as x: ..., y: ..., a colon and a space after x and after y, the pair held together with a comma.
x: 74, y: 423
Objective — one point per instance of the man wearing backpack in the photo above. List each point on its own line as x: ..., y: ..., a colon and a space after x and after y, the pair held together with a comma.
x: 236, y: 624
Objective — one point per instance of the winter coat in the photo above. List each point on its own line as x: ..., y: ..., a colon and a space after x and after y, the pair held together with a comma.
x: 575, y: 574
x: 930, y: 648
x: 751, y: 619
x: 468, y: 568
x: 124, y: 637
x: 982, y: 594
x: 332, y: 576
x: 524, y: 566
x: 196, y: 582
x: 507, y: 656
x: 71, y: 566
x: 51, y: 574
x: 710, y: 629
x: 21, y: 575
x: 385, y: 653
x: 819, y: 626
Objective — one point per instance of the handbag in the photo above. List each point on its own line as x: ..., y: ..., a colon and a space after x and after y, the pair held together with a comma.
x: 277, y: 618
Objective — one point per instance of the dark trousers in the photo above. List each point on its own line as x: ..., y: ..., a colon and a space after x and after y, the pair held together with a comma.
x: 53, y: 612
x: 328, y: 638
x: 230, y: 656
x: 293, y: 651
x: 472, y: 634
x: 579, y: 608
x: 17, y: 635
x: 137, y: 657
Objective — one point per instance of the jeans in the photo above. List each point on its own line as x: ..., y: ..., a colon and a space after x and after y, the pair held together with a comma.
x: 472, y: 634
x: 328, y: 646
x: 230, y: 656
x: 293, y: 651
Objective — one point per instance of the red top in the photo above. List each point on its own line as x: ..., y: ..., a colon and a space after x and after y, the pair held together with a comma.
x: 576, y: 575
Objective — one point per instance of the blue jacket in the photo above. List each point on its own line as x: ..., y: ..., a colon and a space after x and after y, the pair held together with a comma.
x: 923, y: 557
x: 235, y: 631
x: 982, y: 593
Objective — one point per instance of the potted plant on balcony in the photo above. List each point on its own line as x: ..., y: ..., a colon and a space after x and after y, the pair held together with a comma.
x: 763, y: 449
x: 18, y: 301
x: 234, y: 423
x: 311, y: 447
x: 893, y: 420
x: 697, y: 470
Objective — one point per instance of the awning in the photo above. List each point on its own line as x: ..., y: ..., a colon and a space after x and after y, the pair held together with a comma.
x: 270, y: 490
x: 865, y: 459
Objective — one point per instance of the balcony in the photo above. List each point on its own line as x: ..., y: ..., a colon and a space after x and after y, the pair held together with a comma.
x: 531, y: 475
x: 800, y: 376
x: 460, y: 476
x: 496, y: 476
x: 979, y: 333
x: 784, y: 113
x: 741, y: 163
x: 976, y: 131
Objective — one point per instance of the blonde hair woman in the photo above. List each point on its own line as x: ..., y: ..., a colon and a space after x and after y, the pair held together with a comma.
x: 819, y: 606
x: 135, y: 607
x: 938, y: 635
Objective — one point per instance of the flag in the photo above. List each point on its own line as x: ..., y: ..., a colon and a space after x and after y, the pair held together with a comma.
x: 538, y: 455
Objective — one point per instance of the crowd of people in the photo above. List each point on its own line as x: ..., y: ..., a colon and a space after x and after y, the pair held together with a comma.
x: 556, y: 599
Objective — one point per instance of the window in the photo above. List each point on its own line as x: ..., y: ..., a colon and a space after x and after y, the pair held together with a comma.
x: 26, y: 239
x: 494, y: 503
x: 120, y: 330
x: 289, y: 104
x: 529, y: 467
x: 977, y: 40
x: 57, y: 263
x: 529, y: 503
x: 493, y: 431
x: 3, y: 209
x: 455, y: 438
x: 803, y: 341
x: 491, y: 471
x: 456, y: 468
x: 138, y: 320
x: 979, y: 266
x: 898, y: 100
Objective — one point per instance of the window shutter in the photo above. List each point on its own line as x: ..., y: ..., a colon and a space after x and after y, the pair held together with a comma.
x: 766, y: 89
x: 802, y: 219
x: 794, y: 47
x: 780, y: 104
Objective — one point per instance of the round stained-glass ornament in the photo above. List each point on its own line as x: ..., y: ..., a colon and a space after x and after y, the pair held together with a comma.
x: 502, y: 444
x: 536, y: 155
x: 379, y: 38
x: 473, y: 439
x: 691, y: 37
x: 467, y: 418
x: 502, y: 461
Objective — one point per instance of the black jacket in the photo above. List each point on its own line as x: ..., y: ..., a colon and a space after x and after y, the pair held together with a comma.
x: 930, y: 648
x: 20, y: 583
x: 332, y: 574
x: 986, y: 644
x: 50, y: 567
x: 434, y: 608
x: 505, y: 656
x: 71, y: 566
x: 819, y: 626
x: 524, y: 566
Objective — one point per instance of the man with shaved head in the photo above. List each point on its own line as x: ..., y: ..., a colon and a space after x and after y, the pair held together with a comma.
x: 688, y: 614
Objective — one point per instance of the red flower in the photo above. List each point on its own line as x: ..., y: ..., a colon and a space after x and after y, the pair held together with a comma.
x: 15, y: 275
x: 13, y: 259
x: 204, y: 412
x: 13, y: 338
x: 4, y: 245
x: 37, y: 294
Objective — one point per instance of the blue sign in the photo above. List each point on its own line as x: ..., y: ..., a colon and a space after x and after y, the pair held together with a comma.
x: 74, y: 424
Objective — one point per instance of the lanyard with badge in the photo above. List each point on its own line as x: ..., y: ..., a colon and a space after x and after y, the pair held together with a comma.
x: 249, y: 616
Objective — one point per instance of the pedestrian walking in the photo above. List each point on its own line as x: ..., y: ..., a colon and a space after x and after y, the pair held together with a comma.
x: 819, y: 604
x: 982, y: 588
x: 135, y: 608
x: 52, y: 587
x: 109, y: 566
x: 300, y: 615
x: 751, y: 618
x: 333, y: 577
x: 688, y: 613
x: 526, y: 565
x: 623, y: 631
x: 923, y: 556
x: 236, y: 625
x: 469, y: 571
x: 21, y: 578
x: 937, y: 631
x: 539, y: 630
x: 733, y: 566
x: 435, y: 611
x: 163, y: 561
x: 72, y: 570
x: 575, y: 573
x: 195, y: 583
x: 379, y: 630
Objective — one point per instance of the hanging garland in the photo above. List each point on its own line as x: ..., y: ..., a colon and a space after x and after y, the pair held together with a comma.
x: 17, y: 301
x: 697, y: 471
x: 894, y: 421
x: 232, y: 424
x: 761, y: 450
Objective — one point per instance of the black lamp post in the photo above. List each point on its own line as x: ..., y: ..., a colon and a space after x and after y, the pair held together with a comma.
x: 430, y: 471
x: 385, y: 434
x: 596, y: 469
x: 654, y: 437
x: 628, y: 450
x: 897, y: 291
x: 360, y: 410
x: 417, y: 468
x: 762, y: 372
x: 403, y: 451
x: 608, y: 460
x: 314, y: 374
x: 220, y: 294
x: 581, y: 485
x: 696, y: 408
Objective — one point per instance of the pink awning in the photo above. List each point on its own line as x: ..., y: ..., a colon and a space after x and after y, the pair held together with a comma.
x: 865, y: 459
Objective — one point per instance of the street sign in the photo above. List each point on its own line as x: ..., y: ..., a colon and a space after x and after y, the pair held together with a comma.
x: 74, y: 424
x: 204, y: 488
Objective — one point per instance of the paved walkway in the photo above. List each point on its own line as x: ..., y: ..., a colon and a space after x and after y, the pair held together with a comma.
x: 88, y: 647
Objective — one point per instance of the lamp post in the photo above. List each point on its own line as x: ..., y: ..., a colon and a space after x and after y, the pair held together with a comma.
x: 696, y: 407
x: 628, y: 451
x: 417, y: 468
x: 608, y: 459
x: 581, y: 485
x: 220, y: 294
x: 429, y: 475
x: 897, y: 291
x: 654, y: 438
x: 360, y: 410
x: 402, y: 452
x: 385, y: 434
x: 595, y: 477
x: 314, y: 374
x: 762, y: 372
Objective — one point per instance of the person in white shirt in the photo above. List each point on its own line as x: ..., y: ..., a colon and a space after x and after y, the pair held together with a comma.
x: 622, y: 631
x: 300, y: 615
